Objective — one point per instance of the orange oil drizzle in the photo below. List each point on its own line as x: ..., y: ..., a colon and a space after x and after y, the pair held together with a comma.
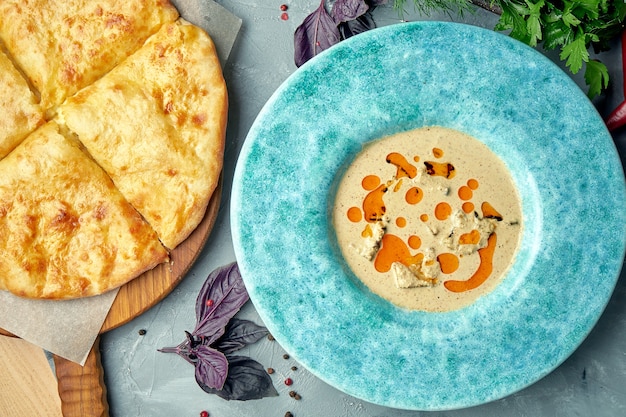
x: 489, y: 212
x: 485, y: 268
x: 370, y: 182
x: 438, y: 169
x: 437, y: 153
x: 471, y: 238
x: 414, y: 195
x: 443, y: 210
x: 468, y: 207
x: 404, y: 168
x: 354, y: 214
x: 415, y: 242
x: 373, y: 204
x: 393, y: 249
x: 465, y: 193
x: 448, y: 262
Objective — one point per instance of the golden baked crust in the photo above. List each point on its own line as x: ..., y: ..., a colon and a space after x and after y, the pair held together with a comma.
x: 21, y: 113
x: 156, y: 124
x: 65, y: 230
x: 132, y: 151
x: 64, y: 45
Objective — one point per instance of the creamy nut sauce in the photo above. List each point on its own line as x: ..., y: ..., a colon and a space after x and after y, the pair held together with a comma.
x: 428, y: 219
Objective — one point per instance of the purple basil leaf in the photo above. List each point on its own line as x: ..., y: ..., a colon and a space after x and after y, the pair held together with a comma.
x: 211, y: 367
x: 361, y: 24
x: 346, y: 10
x: 238, y: 334
x: 182, y: 350
x: 317, y: 32
x: 220, y: 298
x: 246, y: 380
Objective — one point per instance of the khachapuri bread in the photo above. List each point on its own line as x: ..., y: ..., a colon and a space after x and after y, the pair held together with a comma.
x: 165, y: 166
x: 21, y: 112
x: 65, y: 45
x: 65, y: 230
x: 111, y: 141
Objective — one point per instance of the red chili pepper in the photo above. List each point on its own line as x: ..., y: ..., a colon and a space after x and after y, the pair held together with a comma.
x: 624, y: 60
x: 617, y: 118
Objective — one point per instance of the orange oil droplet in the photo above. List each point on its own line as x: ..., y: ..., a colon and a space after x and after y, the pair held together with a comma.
x: 472, y: 184
x: 370, y: 182
x: 415, y: 242
x: 468, y: 207
x: 443, y: 210
x: 424, y: 217
x: 465, y: 193
x: 393, y: 249
x: 485, y: 268
x: 354, y: 214
x: 404, y: 168
x: 414, y: 195
x: 471, y: 238
x: 401, y: 222
x: 489, y: 212
x: 439, y: 169
x: 438, y: 153
x: 373, y: 204
x: 396, y: 188
x: 367, y: 232
x: 448, y: 262
x: 416, y: 158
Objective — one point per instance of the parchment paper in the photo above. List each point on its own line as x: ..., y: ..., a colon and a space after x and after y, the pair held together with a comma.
x: 69, y: 328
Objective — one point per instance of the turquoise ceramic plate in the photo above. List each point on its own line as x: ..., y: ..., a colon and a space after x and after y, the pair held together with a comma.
x: 401, y: 77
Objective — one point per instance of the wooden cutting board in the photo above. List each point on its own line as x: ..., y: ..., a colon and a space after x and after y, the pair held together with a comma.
x: 81, y: 388
x: 27, y: 384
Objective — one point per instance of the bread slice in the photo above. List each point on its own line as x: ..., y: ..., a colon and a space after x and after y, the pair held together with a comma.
x: 65, y: 230
x: 156, y: 124
x: 21, y: 113
x: 64, y: 45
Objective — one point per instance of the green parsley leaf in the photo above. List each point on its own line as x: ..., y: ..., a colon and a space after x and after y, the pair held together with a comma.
x: 596, y: 77
x: 569, y: 19
x: 575, y: 53
x: 533, y: 22
x: 513, y: 18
